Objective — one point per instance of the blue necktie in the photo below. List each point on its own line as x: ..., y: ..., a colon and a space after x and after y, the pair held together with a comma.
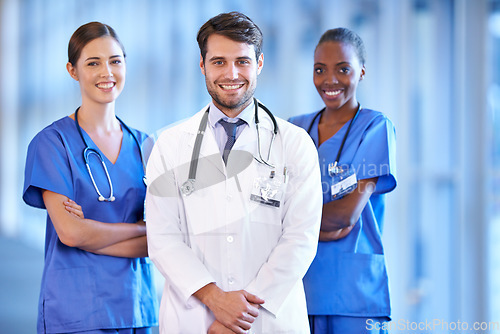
x: 231, y: 136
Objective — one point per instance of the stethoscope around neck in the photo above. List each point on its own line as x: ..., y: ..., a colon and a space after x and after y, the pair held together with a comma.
x: 188, y: 186
x: 88, y: 151
x: 337, y: 159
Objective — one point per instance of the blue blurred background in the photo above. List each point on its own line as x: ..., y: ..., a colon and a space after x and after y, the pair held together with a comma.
x: 432, y: 67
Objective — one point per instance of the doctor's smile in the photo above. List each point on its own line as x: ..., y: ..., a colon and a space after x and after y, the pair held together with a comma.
x: 230, y: 87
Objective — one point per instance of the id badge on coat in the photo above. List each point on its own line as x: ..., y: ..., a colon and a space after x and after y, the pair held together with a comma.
x: 344, y: 180
x: 268, y: 190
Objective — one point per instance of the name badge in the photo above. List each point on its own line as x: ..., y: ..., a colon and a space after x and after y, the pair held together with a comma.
x: 267, y: 190
x: 344, y: 180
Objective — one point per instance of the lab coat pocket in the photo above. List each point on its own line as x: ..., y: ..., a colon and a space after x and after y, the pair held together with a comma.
x: 265, y: 228
x: 265, y: 214
x: 267, y: 195
x: 70, y: 298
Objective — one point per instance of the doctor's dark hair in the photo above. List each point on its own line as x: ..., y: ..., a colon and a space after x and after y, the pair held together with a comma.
x: 86, y: 34
x: 344, y: 35
x: 235, y: 26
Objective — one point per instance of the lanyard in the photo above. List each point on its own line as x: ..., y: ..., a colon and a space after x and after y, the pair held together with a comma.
x: 346, y: 134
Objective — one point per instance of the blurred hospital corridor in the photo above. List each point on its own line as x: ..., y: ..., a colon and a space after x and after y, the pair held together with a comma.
x: 432, y: 66
x: 20, y: 277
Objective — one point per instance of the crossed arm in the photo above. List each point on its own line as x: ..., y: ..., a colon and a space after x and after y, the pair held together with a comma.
x: 117, y: 239
x: 340, y: 216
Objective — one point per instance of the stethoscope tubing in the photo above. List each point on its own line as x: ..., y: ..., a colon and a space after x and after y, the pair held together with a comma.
x: 188, y: 186
x: 101, y: 198
x: 275, y: 132
x: 88, y: 151
x: 337, y: 159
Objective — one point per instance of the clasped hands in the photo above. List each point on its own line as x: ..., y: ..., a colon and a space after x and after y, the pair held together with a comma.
x: 234, y: 311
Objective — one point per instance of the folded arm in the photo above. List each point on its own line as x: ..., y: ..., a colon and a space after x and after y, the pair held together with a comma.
x: 116, y: 239
x: 340, y: 216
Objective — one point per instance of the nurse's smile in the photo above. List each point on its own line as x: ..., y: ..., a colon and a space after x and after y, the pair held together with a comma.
x: 331, y: 94
x: 106, y: 86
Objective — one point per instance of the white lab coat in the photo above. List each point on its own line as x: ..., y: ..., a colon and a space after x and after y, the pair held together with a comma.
x: 217, y: 234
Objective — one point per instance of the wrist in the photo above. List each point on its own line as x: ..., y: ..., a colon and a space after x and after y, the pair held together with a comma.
x: 140, y: 229
x: 208, y: 294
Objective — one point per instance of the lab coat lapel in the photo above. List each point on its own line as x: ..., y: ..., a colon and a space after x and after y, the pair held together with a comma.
x: 209, y: 151
x: 209, y: 184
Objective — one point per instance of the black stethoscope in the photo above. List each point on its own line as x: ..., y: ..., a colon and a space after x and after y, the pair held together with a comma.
x: 88, y: 151
x: 188, y: 186
x: 334, y: 165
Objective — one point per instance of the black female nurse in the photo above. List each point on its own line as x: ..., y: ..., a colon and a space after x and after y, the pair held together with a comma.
x: 347, y: 285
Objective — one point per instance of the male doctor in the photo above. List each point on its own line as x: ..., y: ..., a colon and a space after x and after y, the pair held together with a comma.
x: 234, y: 201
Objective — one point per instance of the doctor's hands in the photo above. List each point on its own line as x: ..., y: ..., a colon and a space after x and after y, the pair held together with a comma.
x: 236, y: 310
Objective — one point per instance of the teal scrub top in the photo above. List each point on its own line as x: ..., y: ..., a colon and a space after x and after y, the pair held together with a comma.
x: 348, y: 277
x: 80, y: 290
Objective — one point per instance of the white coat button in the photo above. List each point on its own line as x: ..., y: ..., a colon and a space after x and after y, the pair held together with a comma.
x: 230, y: 238
x: 229, y: 197
x: 230, y: 280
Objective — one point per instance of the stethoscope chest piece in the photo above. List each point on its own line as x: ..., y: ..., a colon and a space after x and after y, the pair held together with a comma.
x: 187, y: 187
x: 109, y: 199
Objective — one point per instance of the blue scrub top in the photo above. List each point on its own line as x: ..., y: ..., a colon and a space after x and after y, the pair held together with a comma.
x: 348, y: 277
x: 80, y: 290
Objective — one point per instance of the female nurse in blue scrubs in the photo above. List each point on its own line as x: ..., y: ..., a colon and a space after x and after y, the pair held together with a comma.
x: 97, y: 277
x: 347, y: 286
